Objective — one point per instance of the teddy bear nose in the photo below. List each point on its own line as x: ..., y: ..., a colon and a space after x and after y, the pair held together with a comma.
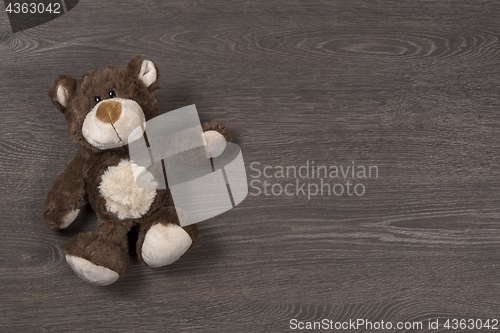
x: 109, y: 112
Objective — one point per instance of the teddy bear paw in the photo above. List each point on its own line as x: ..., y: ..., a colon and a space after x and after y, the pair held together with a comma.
x: 54, y: 219
x: 87, y: 271
x: 164, y: 244
x: 69, y: 218
x: 216, y: 143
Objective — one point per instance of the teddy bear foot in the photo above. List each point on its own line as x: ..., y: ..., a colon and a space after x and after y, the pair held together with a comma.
x: 164, y: 244
x: 96, y: 259
x: 87, y: 271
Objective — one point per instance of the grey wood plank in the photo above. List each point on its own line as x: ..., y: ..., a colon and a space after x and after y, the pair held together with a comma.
x: 411, y: 87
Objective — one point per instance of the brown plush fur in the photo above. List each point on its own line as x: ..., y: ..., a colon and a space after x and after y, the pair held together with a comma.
x: 79, y: 183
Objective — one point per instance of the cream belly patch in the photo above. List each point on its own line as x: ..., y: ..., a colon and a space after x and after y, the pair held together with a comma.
x: 129, y: 189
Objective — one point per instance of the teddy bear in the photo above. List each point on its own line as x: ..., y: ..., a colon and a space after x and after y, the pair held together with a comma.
x: 101, y: 109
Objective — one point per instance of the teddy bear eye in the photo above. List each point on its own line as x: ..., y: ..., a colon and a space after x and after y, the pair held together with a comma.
x: 112, y: 94
x: 97, y: 99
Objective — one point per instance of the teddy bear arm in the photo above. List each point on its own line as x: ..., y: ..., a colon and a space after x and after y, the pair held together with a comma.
x: 216, y: 136
x: 67, y: 196
x: 219, y: 127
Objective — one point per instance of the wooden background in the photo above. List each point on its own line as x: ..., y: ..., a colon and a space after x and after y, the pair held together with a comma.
x: 409, y: 86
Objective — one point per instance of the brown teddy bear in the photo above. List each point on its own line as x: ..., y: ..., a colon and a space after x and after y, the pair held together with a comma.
x: 101, y: 110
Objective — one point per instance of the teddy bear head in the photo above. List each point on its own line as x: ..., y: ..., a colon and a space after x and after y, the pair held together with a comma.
x: 108, y: 108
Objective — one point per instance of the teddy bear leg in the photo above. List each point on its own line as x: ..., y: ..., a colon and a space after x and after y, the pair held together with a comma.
x: 162, y: 240
x: 100, y: 258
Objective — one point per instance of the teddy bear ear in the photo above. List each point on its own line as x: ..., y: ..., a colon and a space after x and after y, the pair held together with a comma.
x: 61, y: 91
x: 144, y: 70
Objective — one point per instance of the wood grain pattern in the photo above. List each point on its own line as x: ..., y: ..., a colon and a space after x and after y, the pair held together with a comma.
x: 408, y: 86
